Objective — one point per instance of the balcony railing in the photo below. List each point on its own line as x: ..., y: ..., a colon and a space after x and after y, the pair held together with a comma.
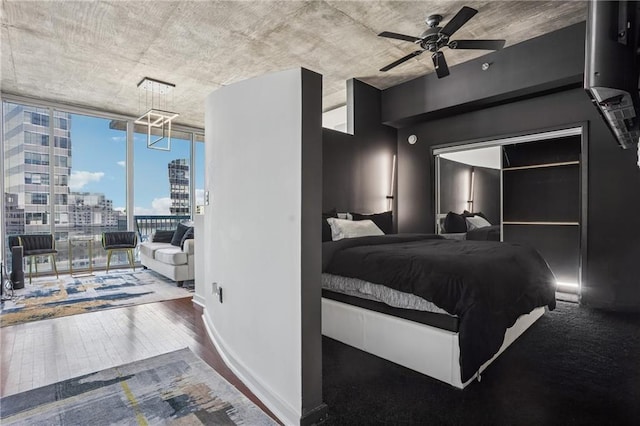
x: 145, y: 225
x: 148, y: 224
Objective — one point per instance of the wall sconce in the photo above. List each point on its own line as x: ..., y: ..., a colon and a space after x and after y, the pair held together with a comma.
x: 412, y: 139
x: 485, y: 66
x: 471, y: 184
x: 390, y: 197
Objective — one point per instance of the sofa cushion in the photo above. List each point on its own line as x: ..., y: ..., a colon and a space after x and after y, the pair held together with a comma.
x: 171, y: 255
x: 149, y: 249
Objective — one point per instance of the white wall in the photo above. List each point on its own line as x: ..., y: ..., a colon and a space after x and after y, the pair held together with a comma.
x: 199, y: 260
x: 253, y: 234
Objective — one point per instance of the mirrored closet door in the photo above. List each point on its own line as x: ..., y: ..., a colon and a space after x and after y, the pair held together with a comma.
x: 524, y: 189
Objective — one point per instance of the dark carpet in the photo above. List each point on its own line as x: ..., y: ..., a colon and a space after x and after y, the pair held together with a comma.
x: 575, y: 366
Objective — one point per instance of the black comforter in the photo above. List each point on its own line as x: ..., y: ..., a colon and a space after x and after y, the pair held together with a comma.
x: 487, y: 284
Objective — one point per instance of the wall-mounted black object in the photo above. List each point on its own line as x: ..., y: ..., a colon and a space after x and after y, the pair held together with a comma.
x: 611, y: 66
x: 17, y: 273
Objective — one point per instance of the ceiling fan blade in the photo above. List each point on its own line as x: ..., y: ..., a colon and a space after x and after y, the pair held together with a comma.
x: 401, y: 60
x: 399, y: 36
x: 459, y: 20
x: 477, y: 44
x: 442, y: 69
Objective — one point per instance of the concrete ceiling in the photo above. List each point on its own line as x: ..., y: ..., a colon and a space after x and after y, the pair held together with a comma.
x: 94, y: 54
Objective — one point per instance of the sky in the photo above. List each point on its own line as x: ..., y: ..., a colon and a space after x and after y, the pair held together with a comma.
x: 98, y: 157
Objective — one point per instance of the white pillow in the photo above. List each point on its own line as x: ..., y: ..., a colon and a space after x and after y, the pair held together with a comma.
x: 343, y: 228
x: 474, y: 222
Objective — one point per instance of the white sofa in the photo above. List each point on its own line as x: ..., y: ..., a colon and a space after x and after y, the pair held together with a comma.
x: 169, y: 260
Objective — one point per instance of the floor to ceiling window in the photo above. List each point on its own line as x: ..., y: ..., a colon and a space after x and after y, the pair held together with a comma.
x: 65, y: 173
x: 58, y: 180
x: 162, y: 183
x: 199, y: 172
x: 91, y: 195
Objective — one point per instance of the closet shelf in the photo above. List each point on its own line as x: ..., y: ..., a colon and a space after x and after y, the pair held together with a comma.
x: 541, y: 223
x: 538, y: 166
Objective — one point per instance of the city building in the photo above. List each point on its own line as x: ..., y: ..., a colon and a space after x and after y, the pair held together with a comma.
x: 13, y: 215
x: 179, y: 186
x: 29, y: 167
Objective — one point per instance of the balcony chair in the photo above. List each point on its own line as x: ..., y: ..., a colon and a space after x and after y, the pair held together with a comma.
x: 34, y: 245
x: 120, y: 241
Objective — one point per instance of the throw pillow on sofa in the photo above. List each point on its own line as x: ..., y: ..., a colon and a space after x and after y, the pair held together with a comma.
x: 162, y: 236
x: 176, y: 240
x: 187, y: 236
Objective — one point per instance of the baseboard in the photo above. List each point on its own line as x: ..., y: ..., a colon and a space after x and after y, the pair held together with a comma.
x: 279, y: 407
x: 199, y: 300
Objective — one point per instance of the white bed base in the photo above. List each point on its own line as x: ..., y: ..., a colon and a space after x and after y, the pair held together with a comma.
x: 423, y: 348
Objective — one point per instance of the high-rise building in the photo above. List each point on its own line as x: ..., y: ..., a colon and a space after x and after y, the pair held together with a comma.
x: 179, y: 186
x: 29, y: 165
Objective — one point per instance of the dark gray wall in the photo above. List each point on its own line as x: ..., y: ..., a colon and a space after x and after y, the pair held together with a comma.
x: 357, y: 168
x: 313, y: 409
x: 527, y: 69
x: 612, y: 181
x: 613, y: 248
x: 454, y: 189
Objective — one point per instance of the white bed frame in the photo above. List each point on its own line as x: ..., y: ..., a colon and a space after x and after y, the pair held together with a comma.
x: 423, y: 348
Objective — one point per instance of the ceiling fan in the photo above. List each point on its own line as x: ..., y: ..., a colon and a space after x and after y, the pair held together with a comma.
x: 435, y: 38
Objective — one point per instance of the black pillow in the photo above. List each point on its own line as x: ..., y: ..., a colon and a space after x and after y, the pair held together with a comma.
x: 384, y: 221
x: 454, y: 223
x: 178, y: 234
x: 161, y: 236
x: 326, y: 228
x: 187, y: 236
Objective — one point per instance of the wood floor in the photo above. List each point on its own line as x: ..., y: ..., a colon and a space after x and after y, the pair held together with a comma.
x: 43, y: 352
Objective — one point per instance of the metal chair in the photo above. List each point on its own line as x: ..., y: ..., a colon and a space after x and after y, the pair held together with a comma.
x: 120, y: 241
x: 34, y: 245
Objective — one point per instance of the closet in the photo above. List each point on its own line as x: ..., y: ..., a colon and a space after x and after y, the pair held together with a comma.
x: 541, y: 201
x: 540, y: 194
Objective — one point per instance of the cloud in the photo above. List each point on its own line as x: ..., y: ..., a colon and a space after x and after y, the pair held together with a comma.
x: 118, y: 138
x: 122, y: 163
x: 79, y: 179
x: 159, y: 206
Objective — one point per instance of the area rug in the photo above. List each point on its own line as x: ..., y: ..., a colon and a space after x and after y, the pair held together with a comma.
x: 177, y: 388
x: 48, y: 297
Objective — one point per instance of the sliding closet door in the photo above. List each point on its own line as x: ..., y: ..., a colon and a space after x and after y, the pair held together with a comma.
x: 541, y: 202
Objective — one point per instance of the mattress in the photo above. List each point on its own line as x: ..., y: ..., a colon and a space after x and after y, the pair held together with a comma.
x: 379, y: 293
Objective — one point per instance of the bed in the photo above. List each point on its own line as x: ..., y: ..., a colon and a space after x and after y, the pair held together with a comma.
x: 485, y: 295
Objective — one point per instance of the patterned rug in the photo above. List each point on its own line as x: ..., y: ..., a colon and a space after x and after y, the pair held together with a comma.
x: 175, y: 388
x: 48, y: 297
